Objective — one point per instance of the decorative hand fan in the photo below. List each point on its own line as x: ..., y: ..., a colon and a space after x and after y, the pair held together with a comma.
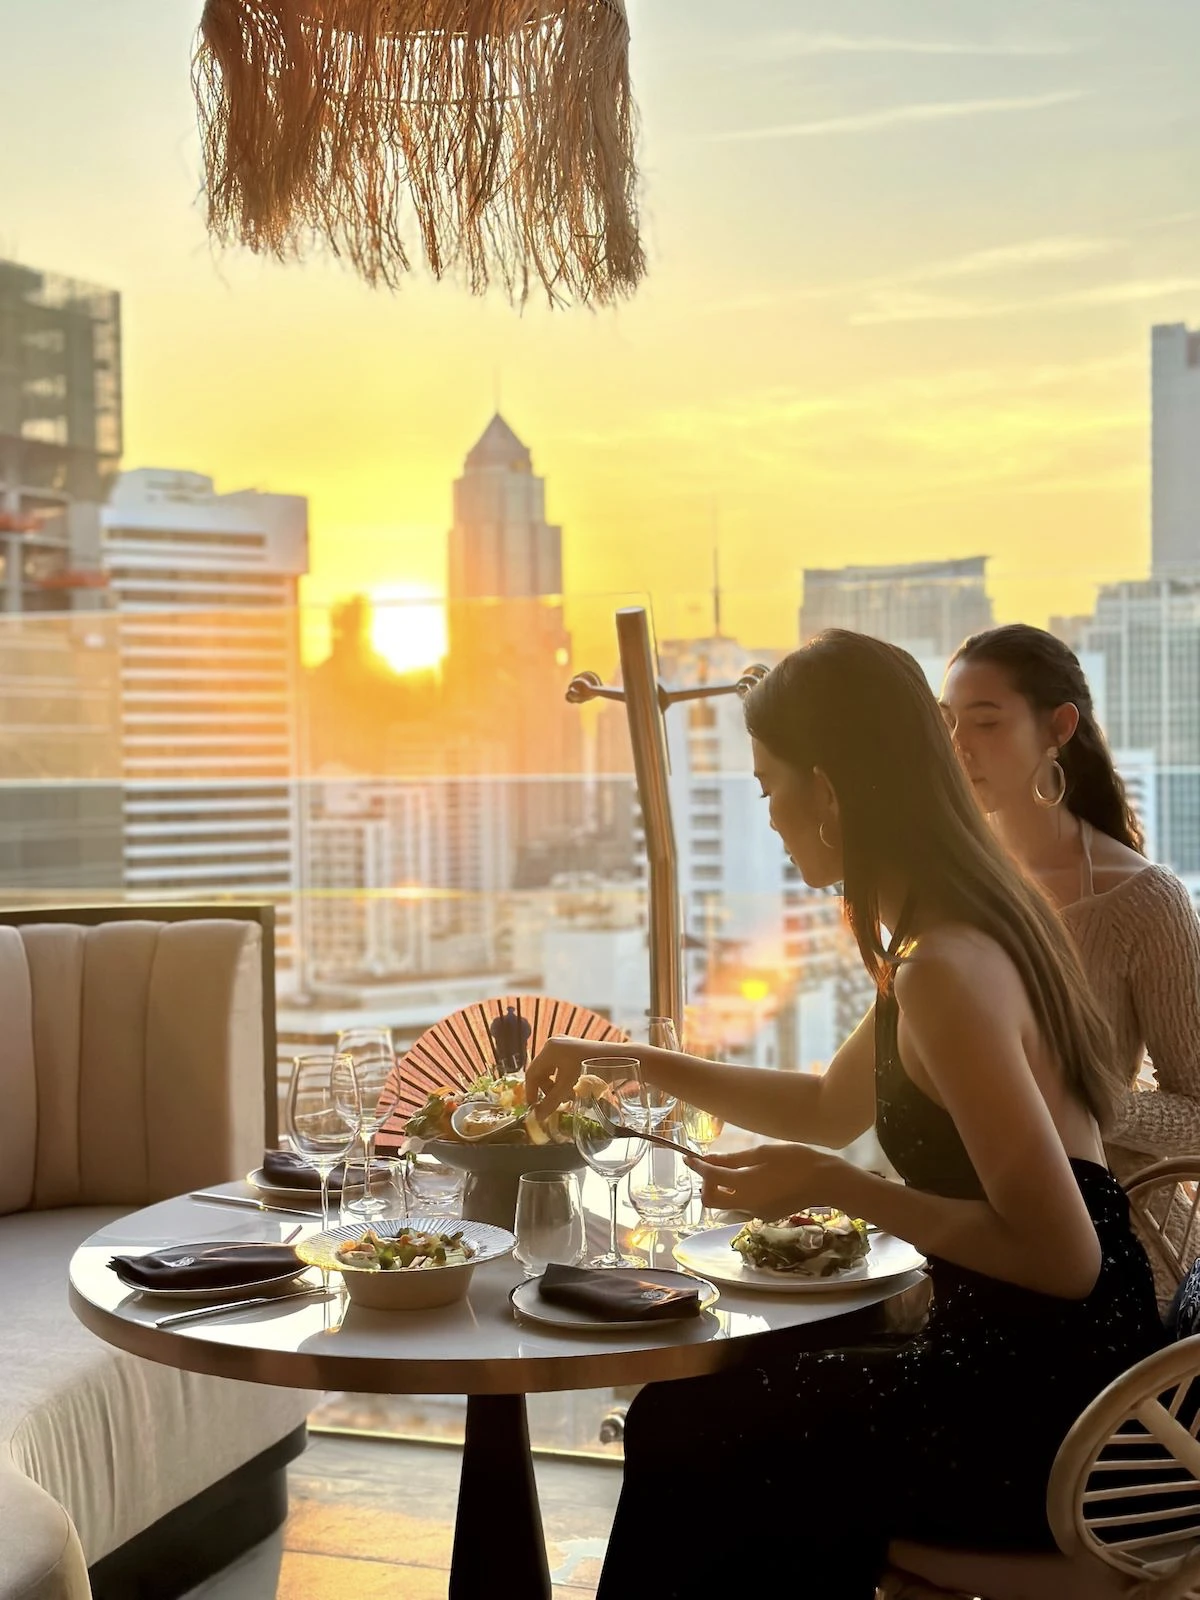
x: 500, y: 1035
x: 498, y: 133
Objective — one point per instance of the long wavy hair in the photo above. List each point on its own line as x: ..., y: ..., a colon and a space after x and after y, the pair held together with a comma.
x: 1047, y: 674
x: 861, y: 711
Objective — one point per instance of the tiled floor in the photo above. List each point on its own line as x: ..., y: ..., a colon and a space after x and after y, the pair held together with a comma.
x: 373, y: 1520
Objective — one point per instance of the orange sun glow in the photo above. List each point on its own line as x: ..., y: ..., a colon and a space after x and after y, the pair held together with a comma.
x: 408, y: 628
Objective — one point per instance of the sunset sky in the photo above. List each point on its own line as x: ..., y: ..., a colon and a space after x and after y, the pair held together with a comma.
x: 904, y: 258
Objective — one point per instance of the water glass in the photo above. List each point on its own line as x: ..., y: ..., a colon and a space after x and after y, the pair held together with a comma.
x: 549, y: 1225
x: 662, y: 1192
x: 323, y: 1114
x: 434, y: 1189
x: 386, y: 1191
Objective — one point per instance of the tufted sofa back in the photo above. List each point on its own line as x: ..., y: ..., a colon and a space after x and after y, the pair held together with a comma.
x: 131, y: 1060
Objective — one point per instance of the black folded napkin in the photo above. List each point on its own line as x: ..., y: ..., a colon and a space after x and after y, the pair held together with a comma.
x: 617, y: 1295
x: 291, y: 1171
x: 206, y: 1266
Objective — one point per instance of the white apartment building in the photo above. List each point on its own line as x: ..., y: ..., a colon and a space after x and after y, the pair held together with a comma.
x: 1175, y: 451
x: 206, y: 589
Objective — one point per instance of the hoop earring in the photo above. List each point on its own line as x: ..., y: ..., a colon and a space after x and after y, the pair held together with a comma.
x: 1049, y: 801
x: 823, y: 839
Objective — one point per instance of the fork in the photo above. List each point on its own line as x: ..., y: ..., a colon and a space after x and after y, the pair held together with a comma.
x: 622, y: 1129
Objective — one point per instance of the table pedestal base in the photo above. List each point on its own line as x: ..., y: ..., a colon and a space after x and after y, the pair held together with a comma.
x: 499, y: 1546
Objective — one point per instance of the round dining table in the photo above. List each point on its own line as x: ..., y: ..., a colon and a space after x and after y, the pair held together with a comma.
x: 477, y: 1348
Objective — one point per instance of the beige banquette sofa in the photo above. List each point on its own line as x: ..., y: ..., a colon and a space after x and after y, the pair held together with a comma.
x: 136, y: 1062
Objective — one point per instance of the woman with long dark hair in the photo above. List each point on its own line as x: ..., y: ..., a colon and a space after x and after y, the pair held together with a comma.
x: 1024, y: 725
x: 987, y: 1074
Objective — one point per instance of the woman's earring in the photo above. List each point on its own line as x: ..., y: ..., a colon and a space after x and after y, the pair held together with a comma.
x: 1059, y: 778
x: 823, y: 839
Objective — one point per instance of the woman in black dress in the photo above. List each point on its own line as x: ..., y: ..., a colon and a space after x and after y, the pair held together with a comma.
x: 988, y: 1075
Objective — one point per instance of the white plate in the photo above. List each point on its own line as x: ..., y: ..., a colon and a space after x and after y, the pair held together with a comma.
x: 259, y: 1181
x: 320, y: 1250
x: 710, y: 1253
x: 529, y: 1305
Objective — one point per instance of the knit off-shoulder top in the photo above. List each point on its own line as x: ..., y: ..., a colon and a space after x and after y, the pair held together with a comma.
x: 1140, y: 948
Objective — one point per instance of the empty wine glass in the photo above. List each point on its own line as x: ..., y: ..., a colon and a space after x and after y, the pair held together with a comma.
x: 611, y: 1155
x: 374, y: 1060
x: 549, y: 1222
x: 657, y: 1104
x: 703, y: 1129
x: 323, y: 1114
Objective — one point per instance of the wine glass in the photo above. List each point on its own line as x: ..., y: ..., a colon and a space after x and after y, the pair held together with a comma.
x: 323, y: 1115
x: 656, y: 1104
x: 612, y: 1156
x: 374, y: 1060
x: 549, y: 1221
x: 703, y: 1129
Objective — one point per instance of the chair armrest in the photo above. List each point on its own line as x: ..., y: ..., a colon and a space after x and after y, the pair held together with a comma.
x: 40, y: 1554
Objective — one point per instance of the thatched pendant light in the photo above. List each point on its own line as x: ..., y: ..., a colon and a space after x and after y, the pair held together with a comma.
x: 500, y: 131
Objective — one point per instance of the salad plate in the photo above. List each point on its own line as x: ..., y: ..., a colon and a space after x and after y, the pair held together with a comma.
x: 711, y: 1255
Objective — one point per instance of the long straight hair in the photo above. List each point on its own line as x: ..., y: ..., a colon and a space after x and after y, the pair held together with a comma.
x: 1047, y: 675
x: 861, y: 711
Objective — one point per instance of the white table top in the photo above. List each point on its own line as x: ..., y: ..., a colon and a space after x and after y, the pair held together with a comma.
x: 477, y: 1347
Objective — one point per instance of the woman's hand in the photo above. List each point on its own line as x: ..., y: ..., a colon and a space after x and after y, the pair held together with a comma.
x: 551, y: 1076
x: 770, y: 1181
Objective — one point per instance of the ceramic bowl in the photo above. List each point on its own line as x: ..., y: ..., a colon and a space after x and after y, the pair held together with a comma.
x: 407, y: 1291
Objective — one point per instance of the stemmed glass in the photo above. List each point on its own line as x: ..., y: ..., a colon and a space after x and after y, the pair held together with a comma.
x: 703, y: 1129
x: 374, y: 1060
x: 323, y: 1115
x: 611, y: 1156
x: 654, y: 1104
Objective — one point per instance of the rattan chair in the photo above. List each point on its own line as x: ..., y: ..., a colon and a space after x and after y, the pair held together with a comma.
x: 1131, y: 1451
x: 1164, y: 1200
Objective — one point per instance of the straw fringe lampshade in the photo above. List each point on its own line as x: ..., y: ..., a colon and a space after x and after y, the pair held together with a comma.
x: 501, y: 132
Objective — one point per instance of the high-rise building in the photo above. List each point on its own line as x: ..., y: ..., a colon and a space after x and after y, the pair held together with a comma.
x: 925, y: 607
x: 509, y: 651
x: 60, y: 440
x: 1148, y: 635
x: 1175, y: 451
x: 60, y: 433
x: 206, y: 588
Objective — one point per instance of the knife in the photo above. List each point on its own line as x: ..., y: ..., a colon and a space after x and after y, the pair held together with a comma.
x: 248, y: 1200
x: 179, y: 1317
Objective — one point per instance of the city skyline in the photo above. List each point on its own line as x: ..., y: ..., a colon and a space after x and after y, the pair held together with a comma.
x: 901, y: 283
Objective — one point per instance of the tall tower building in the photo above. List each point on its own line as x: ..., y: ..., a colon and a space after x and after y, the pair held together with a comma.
x: 926, y: 607
x: 509, y: 657
x: 1175, y: 451
x: 1148, y: 634
x: 60, y: 441
x: 206, y: 588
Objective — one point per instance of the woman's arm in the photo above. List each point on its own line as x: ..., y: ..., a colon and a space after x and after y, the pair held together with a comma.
x: 1164, y: 984
x: 961, y: 1013
x: 831, y: 1110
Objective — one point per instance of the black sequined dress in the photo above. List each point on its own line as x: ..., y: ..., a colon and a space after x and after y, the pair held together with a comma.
x: 789, y: 1475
